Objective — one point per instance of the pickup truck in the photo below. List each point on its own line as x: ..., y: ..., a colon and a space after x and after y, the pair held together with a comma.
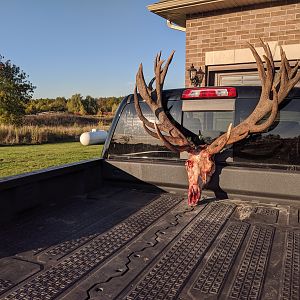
x: 119, y: 227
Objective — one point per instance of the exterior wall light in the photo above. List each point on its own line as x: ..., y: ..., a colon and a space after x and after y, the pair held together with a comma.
x: 196, y: 76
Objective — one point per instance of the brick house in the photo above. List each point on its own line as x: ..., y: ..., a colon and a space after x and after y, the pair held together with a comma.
x: 217, y: 32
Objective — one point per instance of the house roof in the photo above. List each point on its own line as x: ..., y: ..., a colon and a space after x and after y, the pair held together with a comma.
x: 176, y: 10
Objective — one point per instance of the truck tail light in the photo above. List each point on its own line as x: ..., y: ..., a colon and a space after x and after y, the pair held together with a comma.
x: 209, y: 92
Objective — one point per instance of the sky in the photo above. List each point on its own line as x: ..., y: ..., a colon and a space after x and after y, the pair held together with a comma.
x: 91, y: 47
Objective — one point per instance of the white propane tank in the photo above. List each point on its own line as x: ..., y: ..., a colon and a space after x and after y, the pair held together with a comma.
x: 93, y: 137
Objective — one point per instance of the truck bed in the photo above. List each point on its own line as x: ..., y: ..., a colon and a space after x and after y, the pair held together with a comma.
x: 127, y: 243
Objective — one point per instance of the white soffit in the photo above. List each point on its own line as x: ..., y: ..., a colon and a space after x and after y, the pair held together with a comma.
x: 176, y: 10
x: 239, y: 56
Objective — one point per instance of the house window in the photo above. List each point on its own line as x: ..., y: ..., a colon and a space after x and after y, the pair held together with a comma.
x: 237, y: 79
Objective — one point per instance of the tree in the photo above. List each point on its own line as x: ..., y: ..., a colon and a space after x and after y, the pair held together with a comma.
x: 114, y: 108
x: 90, y: 105
x: 31, y: 108
x: 59, y: 104
x: 75, y: 105
x: 15, y: 92
x: 108, y: 104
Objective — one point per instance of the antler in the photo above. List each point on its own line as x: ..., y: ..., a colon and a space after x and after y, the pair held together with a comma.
x: 200, y: 166
x: 275, y: 87
x: 173, y: 138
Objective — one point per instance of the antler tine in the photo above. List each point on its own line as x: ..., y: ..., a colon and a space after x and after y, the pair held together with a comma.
x: 140, y: 82
x: 277, y: 78
x: 285, y: 62
x: 150, y: 85
x: 294, y: 70
x: 145, y: 93
x: 174, y: 137
x: 288, y: 77
x: 163, y: 71
x: 270, y: 71
x: 259, y: 63
x: 268, y: 52
x: 284, y: 77
x: 269, y: 76
x: 284, y: 65
x: 159, y: 84
x: 166, y: 67
x: 291, y: 71
x: 160, y: 74
x: 268, y: 101
x: 157, y: 59
x: 139, y: 111
x: 220, y: 143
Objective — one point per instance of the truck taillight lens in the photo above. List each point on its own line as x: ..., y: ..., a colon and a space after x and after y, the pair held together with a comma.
x: 209, y: 92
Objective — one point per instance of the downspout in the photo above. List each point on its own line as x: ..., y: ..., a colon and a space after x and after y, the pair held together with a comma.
x: 175, y: 27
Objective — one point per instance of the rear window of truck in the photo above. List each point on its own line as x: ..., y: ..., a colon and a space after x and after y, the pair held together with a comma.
x: 207, y: 124
x: 130, y: 138
x: 280, y: 145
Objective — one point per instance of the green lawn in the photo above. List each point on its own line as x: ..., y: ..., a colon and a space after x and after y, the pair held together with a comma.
x: 21, y: 159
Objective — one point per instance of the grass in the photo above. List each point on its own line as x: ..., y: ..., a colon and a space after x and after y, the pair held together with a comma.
x: 32, y: 135
x: 51, y: 128
x: 21, y: 159
x: 65, y: 119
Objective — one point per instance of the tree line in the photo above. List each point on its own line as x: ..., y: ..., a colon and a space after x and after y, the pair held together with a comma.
x: 16, y: 93
x: 76, y: 104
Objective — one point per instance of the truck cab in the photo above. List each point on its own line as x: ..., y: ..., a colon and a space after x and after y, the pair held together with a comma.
x: 257, y: 165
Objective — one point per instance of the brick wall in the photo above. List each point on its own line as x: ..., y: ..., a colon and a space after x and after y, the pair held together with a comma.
x: 230, y: 29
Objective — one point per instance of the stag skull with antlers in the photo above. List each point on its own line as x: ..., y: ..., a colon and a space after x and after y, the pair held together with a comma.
x: 200, y: 165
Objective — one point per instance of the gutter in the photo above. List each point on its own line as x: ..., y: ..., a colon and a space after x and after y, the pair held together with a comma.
x: 175, y: 27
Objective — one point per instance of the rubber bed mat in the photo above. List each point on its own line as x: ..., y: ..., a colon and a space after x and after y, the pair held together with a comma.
x: 152, y: 246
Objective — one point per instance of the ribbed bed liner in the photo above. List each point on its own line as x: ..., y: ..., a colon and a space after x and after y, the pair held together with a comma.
x: 122, y: 243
